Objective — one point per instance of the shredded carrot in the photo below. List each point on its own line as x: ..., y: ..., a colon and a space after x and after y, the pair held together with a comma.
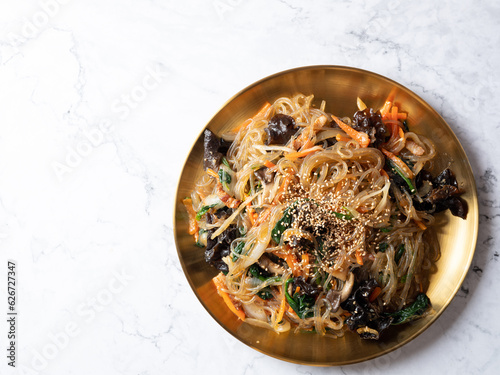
x: 301, y: 154
x: 362, y: 138
x: 297, y: 289
x: 421, y: 288
x: 400, y: 163
x: 303, y: 141
x: 420, y: 224
x: 252, y: 215
x: 402, y: 116
x: 342, y: 138
x: 269, y: 164
x: 291, y: 261
x: 384, y: 173
x: 401, y: 132
x: 359, y: 258
x: 263, y: 216
x: 247, y: 122
x: 193, y: 224
x: 385, y: 109
x: 375, y: 294
x: 212, y: 173
x: 283, y: 187
x: 394, y: 113
x: 308, y: 144
x: 219, y: 284
x: 281, y: 310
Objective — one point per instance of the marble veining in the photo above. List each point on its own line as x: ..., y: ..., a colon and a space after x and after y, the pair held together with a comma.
x: 100, y: 102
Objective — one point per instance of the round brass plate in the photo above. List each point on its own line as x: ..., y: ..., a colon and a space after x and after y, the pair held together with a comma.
x: 339, y: 86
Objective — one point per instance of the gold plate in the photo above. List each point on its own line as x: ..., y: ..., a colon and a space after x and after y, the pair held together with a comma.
x: 339, y: 86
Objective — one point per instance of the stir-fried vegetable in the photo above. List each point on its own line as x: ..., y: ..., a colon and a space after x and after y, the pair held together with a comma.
x: 414, y: 311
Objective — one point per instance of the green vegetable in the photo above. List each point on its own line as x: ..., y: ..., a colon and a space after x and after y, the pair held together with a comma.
x: 383, y: 247
x: 343, y: 216
x: 415, y: 310
x: 396, y: 169
x: 200, y: 233
x: 257, y: 272
x: 386, y: 230
x: 237, y: 251
x: 301, y: 304
x: 282, y: 225
x: 225, y: 162
x: 204, y: 210
x: 225, y: 178
x: 404, y: 277
x: 242, y: 230
x: 399, y: 253
x: 265, y: 293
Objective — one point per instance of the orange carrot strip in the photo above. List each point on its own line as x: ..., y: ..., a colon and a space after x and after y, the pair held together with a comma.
x: 402, y: 116
x: 362, y: 138
x: 193, y: 224
x: 212, y: 173
x: 251, y: 213
x: 400, y: 163
x: 342, y: 138
x: 384, y: 173
x: 281, y: 311
x: 301, y: 154
x: 401, y: 133
x: 283, y: 187
x: 385, y: 109
x: 394, y: 113
x: 291, y: 261
x: 219, y: 284
x: 359, y: 258
x: 420, y: 224
x: 269, y: 164
x: 375, y: 294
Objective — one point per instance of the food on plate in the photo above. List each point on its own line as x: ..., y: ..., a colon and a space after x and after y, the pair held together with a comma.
x: 322, y: 223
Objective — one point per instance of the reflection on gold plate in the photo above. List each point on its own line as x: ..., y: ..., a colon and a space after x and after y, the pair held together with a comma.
x: 339, y: 86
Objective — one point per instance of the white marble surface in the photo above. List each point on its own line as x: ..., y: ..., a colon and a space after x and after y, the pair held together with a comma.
x: 100, y: 288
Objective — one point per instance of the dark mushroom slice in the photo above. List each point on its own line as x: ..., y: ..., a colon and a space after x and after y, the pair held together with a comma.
x: 219, y: 248
x: 370, y: 122
x: 280, y: 129
x: 365, y: 319
x: 214, y: 149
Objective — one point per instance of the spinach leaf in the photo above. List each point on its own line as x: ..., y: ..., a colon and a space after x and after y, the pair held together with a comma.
x: 265, y: 293
x: 225, y: 178
x: 415, y: 310
x: 258, y: 272
x: 204, y: 210
x: 225, y: 162
x: 399, y: 253
x: 237, y: 251
x: 382, y: 247
x: 397, y: 170
x: 386, y: 230
x: 301, y: 304
x: 282, y: 225
x: 343, y: 216
x: 200, y: 232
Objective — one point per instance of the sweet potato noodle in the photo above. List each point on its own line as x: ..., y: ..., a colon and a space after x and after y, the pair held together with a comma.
x: 321, y: 223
